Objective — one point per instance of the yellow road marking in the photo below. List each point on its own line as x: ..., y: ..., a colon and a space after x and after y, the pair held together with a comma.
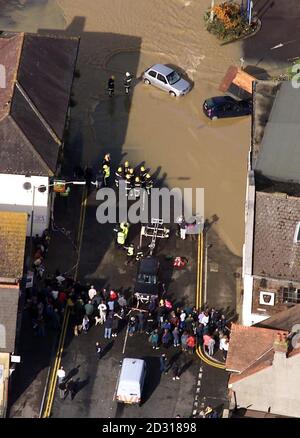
x: 56, y: 366
x: 202, y: 356
x: 81, y: 228
x: 53, y: 378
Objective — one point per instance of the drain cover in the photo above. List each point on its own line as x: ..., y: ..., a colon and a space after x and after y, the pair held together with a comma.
x: 214, y: 267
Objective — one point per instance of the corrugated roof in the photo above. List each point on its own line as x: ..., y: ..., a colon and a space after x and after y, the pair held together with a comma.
x: 40, y: 75
x: 12, y: 244
x: 279, y: 156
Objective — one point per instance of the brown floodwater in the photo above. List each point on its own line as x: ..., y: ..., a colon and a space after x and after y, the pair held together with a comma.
x: 171, y: 134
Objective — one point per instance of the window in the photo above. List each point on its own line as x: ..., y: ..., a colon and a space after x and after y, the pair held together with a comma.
x: 152, y: 73
x: 161, y: 78
x: 297, y: 233
x: 2, y: 336
x: 173, y: 77
x: 290, y: 295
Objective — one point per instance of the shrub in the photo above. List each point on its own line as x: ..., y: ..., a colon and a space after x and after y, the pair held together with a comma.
x: 228, y: 22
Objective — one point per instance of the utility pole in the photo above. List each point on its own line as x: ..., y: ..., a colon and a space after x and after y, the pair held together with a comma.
x: 211, y: 18
x: 250, y: 12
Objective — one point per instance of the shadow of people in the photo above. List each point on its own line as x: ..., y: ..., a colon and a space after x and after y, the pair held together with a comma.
x: 72, y: 373
x: 185, y: 367
x: 78, y: 386
x: 107, y: 348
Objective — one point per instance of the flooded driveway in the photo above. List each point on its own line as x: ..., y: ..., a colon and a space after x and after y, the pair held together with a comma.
x: 172, y: 135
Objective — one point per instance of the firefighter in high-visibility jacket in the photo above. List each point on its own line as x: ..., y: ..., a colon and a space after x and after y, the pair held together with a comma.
x: 119, y: 175
x: 137, y: 186
x: 66, y: 192
x: 142, y: 174
x: 122, y: 233
x: 148, y: 183
x: 127, y: 82
x: 128, y: 183
x: 106, y: 173
x: 126, y: 167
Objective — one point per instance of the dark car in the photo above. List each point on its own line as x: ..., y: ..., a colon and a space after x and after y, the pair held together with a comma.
x: 147, y: 285
x: 225, y: 106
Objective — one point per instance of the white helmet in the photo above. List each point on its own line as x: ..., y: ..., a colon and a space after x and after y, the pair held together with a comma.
x: 127, y: 73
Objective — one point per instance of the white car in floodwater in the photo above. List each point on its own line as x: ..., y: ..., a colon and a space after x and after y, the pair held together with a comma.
x: 167, y: 79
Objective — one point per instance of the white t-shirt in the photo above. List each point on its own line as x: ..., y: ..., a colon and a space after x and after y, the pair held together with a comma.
x: 60, y: 279
x: 224, y: 344
x: 54, y: 294
x: 61, y: 373
x: 182, y: 316
x: 92, y: 293
x: 102, y: 307
x: 205, y: 320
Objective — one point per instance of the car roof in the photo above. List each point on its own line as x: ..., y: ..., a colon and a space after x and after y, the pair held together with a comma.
x: 222, y: 99
x: 148, y: 265
x: 161, y: 68
x: 131, y: 369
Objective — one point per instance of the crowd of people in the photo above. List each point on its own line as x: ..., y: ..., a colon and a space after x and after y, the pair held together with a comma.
x: 164, y: 324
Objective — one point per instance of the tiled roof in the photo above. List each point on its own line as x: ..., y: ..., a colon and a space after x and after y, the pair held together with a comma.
x: 12, y: 244
x: 250, y: 347
x: 275, y: 254
x: 39, y: 79
x: 9, y: 300
x: 10, y: 51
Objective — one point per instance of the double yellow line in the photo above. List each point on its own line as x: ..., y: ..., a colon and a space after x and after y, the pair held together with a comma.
x: 211, y: 362
x: 56, y: 366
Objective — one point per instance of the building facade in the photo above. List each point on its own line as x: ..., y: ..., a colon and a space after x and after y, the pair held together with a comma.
x: 34, y: 108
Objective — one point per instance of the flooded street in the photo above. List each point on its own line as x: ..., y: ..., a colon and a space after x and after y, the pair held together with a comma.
x: 172, y: 135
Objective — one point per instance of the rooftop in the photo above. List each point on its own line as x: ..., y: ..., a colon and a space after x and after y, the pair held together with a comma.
x: 284, y: 320
x: 9, y: 299
x: 12, y: 243
x: 250, y: 348
x: 279, y: 154
x: 264, y: 93
x: 33, y: 106
x: 275, y: 254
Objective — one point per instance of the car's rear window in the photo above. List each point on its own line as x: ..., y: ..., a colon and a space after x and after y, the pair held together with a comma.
x: 148, y: 279
x: 209, y: 103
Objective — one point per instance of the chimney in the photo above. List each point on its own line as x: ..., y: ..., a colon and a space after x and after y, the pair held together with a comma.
x: 280, y: 347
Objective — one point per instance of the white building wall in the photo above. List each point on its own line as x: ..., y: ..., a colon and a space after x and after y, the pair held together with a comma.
x: 248, y: 250
x: 14, y: 197
x: 275, y: 388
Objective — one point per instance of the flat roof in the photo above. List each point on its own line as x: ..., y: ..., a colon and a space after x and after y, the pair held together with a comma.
x: 279, y: 155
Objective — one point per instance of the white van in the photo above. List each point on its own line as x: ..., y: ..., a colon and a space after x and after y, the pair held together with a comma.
x: 131, y: 381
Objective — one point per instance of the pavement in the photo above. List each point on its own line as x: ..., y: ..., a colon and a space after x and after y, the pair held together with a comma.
x: 29, y: 378
x: 222, y: 269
